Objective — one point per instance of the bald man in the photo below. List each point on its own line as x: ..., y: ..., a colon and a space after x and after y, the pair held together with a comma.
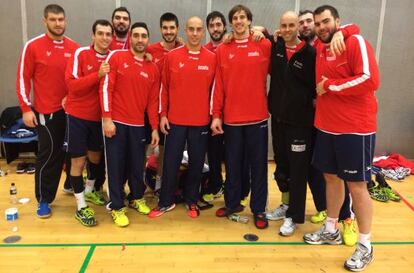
x: 187, y: 76
x: 291, y: 95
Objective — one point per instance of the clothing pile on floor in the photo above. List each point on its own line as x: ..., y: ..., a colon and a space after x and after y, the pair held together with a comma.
x: 394, y: 166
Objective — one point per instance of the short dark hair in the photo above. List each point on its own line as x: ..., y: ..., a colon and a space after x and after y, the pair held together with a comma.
x: 53, y: 8
x: 216, y: 14
x: 238, y: 8
x: 140, y: 24
x: 321, y: 9
x: 168, y: 16
x: 124, y: 9
x: 303, y: 12
x: 101, y: 22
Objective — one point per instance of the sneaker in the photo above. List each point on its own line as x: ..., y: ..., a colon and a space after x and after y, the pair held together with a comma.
x: 391, y: 194
x: 86, y: 216
x: 94, y: 198
x: 208, y: 197
x: 158, y: 211
x: 140, y: 206
x: 193, y: 211
x: 260, y: 220
x: 377, y: 194
x: 43, y: 210
x: 349, y: 233
x: 68, y: 190
x: 278, y: 213
x: 319, y: 217
x: 244, y: 202
x: 224, y: 212
x: 219, y: 193
x: 321, y: 237
x: 21, y: 167
x: 30, y: 169
x: 288, y: 227
x: 119, y: 217
x: 360, y: 259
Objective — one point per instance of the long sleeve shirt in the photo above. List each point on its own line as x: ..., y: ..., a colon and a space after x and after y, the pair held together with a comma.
x: 186, y: 82
x: 82, y: 80
x: 239, y: 93
x: 43, y: 61
x: 350, y: 105
x: 129, y: 89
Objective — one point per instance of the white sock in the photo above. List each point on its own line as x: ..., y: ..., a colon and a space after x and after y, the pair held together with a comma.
x: 365, y: 240
x: 330, y: 224
x: 89, y: 185
x: 80, y: 200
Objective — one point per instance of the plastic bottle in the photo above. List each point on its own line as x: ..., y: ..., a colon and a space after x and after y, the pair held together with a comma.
x: 13, y: 194
x: 12, y: 215
x: 238, y: 218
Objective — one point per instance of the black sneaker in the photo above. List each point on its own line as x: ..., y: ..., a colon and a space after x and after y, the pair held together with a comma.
x: 30, y: 169
x: 21, y: 167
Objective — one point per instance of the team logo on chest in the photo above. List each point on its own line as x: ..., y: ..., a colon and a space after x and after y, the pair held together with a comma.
x: 203, y: 67
x: 253, y: 54
x: 67, y: 55
x: 126, y: 65
x: 143, y: 74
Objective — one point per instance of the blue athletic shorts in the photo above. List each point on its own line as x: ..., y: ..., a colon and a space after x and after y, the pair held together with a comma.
x: 82, y: 136
x: 347, y: 155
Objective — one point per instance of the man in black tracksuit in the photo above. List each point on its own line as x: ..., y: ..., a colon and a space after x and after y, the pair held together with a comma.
x: 291, y: 96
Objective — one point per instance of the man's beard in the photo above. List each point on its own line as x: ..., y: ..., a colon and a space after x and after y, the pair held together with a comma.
x: 54, y: 33
x: 307, y: 38
x: 219, y: 38
x: 168, y: 41
x: 121, y: 33
x: 330, y: 36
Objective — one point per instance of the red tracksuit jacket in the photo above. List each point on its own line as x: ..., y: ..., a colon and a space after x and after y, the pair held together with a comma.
x: 350, y: 105
x: 43, y: 61
x: 239, y: 94
x: 130, y: 89
x: 186, y: 81
x: 82, y: 81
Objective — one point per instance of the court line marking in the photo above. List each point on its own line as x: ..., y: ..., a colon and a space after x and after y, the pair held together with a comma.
x: 182, y: 244
x: 405, y: 200
x: 87, y: 259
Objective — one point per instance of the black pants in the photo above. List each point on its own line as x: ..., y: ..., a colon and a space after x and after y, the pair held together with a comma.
x: 124, y: 154
x: 51, y: 155
x: 297, y: 141
x: 196, y: 138
x: 252, y: 140
x: 215, y: 156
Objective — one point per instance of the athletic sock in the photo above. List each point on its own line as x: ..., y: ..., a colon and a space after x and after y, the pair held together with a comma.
x: 330, y: 224
x: 89, y: 185
x: 80, y: 200
x: 365, y: 240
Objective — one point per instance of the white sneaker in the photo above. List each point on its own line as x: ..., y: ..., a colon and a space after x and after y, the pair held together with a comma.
x: 360, y: 259
x: 287, y: 228
x: 278, y: 213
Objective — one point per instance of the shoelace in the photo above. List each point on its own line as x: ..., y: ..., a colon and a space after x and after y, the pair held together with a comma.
x: 358, y: 254
x: 88, y: 212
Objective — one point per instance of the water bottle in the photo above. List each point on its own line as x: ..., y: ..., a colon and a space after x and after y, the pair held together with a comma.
x: 11, y: 218
x: 238, y: 218
x: 13, y: 194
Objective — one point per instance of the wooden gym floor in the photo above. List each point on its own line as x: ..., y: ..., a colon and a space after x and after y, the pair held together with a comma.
x: 176, y: 243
